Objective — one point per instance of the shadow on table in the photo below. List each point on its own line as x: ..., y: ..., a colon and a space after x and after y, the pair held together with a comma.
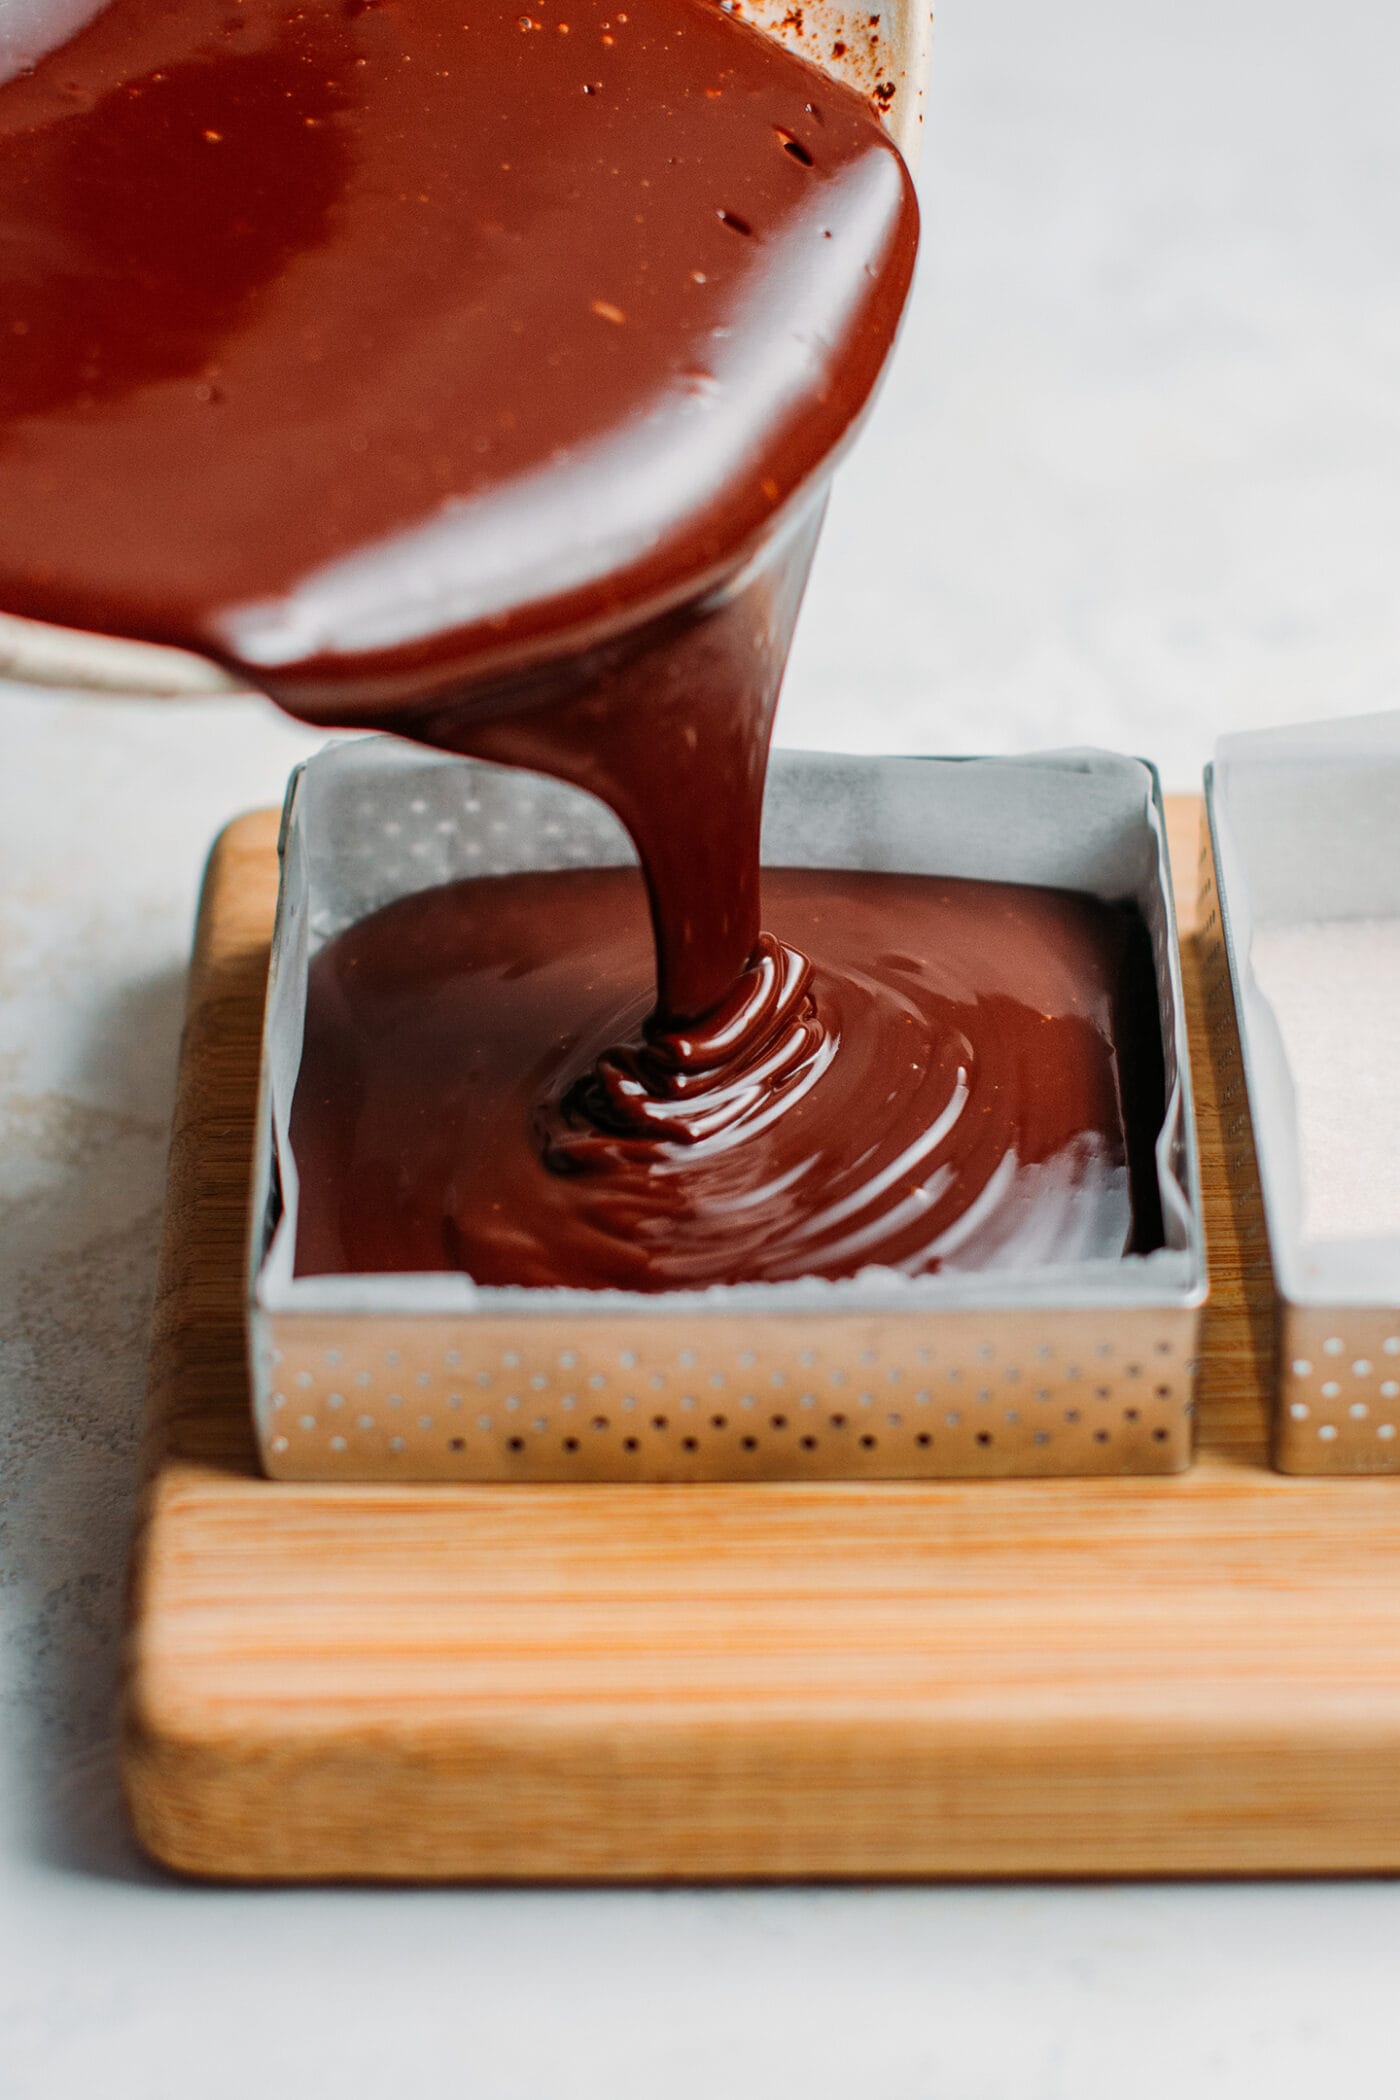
x: 78, y: 1252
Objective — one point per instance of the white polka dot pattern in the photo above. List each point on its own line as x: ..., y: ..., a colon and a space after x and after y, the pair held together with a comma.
x: 901, y: 1397
x: 1339, y: 1391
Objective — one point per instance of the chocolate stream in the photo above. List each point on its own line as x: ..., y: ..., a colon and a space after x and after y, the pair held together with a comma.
x: 477, y: 372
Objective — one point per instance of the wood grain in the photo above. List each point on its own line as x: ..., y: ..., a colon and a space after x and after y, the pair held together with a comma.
x: 1181, y: 1675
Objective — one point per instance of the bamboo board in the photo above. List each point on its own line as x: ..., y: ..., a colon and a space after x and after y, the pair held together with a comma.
x: 1168, y: 1676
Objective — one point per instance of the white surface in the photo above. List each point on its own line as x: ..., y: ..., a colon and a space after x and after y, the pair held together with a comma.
x: 1335, y: 992
x: 1142, y: 462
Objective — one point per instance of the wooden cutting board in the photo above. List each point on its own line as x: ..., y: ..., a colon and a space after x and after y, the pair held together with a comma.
x: 1171, y: 1676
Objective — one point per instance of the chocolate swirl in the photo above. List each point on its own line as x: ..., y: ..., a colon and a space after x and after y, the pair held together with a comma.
x: 681, y: 1094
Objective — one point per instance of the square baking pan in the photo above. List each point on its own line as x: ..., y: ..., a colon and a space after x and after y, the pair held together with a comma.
x: 1085, y: 1368
x: 1301, y: 830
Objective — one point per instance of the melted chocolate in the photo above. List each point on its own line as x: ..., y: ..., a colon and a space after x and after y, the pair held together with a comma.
x: 476, y: 371
x: 963, y: 1082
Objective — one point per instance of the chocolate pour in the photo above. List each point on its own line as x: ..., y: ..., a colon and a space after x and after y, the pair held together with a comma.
x: 477, y: 373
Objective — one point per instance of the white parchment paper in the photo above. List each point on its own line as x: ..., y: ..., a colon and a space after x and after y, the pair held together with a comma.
x: 1307, y: 839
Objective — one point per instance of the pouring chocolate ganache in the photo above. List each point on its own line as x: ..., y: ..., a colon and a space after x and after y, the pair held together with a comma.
x: 477, y: 374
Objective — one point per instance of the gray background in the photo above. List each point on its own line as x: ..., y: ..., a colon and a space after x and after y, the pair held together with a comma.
x: 1134, y: 480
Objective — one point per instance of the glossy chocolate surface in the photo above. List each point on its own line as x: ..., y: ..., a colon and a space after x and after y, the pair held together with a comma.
x: 964, y: 1077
